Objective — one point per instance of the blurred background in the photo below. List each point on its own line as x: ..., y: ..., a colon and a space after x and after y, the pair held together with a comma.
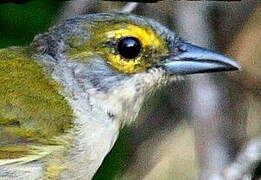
x: 194, y: 129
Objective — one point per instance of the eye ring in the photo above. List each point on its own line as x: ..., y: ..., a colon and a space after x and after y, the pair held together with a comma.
x: 129, y: 47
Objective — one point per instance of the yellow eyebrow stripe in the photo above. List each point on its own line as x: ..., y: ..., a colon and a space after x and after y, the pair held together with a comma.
x: 147, y: 36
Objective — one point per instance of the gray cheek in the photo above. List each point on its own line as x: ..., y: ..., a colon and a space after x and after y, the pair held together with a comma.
x: 97, y: 74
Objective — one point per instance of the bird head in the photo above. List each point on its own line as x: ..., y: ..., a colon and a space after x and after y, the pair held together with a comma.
x: 125, y: 56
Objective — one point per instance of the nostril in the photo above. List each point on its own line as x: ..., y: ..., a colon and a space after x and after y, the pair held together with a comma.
x: 182, y: 47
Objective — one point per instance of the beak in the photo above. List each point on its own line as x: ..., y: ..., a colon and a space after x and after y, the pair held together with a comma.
x: 194, y: 59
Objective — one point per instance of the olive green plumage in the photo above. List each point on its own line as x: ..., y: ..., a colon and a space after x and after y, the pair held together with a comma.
x: 31, y: 108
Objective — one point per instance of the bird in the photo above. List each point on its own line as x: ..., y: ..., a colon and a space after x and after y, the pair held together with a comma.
x: 65, y: 97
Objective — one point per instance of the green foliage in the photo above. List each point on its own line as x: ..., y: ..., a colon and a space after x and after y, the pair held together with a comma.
x: 116, y: 160
x: 21, y: 22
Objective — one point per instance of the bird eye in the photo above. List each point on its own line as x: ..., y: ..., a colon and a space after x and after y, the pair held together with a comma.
x: 129, y: 47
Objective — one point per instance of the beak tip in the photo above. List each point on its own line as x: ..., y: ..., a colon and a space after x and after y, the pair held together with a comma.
x: 235, y: 67
x: 239, y: 68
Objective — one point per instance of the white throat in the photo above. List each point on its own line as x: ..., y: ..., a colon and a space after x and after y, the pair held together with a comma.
x: 99, y: 116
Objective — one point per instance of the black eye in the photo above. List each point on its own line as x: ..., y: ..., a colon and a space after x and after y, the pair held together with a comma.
x: 129, y: 47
